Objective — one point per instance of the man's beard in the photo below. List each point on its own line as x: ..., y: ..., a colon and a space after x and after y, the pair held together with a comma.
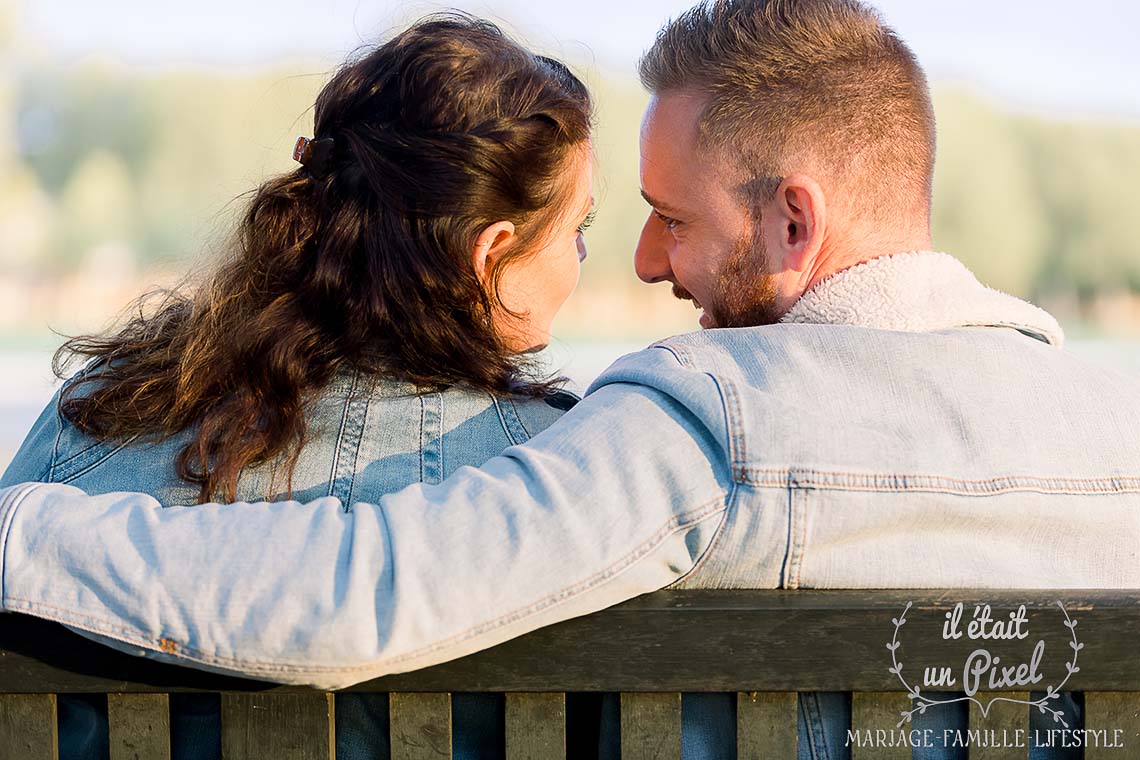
x: 744, y: 294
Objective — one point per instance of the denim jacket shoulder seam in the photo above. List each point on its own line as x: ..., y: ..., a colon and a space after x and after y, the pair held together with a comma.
x: 62, y: 424
x: 676, y: 352
x: 55, y: 445
x: 730, y: 408
x: 737, y: 447
x: 89, y: 463
x: 54, y: 459
x: 64, y: 469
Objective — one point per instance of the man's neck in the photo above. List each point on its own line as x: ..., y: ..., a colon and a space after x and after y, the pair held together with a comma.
x: 835, y: 256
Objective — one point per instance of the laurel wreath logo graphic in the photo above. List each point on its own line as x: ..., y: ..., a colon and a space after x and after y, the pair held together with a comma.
x: 923, y: 701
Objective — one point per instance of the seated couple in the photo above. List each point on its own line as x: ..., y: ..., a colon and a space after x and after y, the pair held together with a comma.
x: 859, y: 411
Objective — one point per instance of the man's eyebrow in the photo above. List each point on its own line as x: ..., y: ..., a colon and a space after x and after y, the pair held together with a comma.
x: 658, y: 204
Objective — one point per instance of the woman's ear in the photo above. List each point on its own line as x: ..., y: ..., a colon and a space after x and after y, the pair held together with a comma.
x: 489, y: 245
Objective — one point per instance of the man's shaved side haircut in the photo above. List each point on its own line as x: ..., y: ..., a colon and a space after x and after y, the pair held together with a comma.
x: 801, y: 84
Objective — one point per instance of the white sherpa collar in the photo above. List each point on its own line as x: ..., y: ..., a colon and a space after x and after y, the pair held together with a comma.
x: 918, y: 292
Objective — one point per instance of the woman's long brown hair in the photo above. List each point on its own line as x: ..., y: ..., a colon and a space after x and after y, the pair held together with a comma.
x: 446, y: 128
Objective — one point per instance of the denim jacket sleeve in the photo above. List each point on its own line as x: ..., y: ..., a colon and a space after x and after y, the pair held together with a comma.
x: 622, y: 496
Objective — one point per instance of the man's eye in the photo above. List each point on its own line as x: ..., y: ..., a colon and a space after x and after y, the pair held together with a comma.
x: 669, y: 222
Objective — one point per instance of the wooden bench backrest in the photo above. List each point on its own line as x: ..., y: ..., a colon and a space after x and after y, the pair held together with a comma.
x: 763, y: 645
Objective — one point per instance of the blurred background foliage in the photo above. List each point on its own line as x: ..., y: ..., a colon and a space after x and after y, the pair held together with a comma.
x: 117, y: 177
x: 114, y: 179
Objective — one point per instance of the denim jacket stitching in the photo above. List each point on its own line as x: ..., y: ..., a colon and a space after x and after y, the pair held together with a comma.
x: 730, y: 408
x: 730, y: 509
x: 730, y: 398
x: 784, y: 563
x: 91, y: 623
x: 80, y: 465
x: 55, y: 446
x: 678, y: 522
x: 511, y: 420
x: 431, y: 438
x: 796, y: 553
x: 522, y: 425
x: 84, y: 453
x: 678, y: 351
x: 80, y: 452
x: 340, y: 436
x: 352, y: 424
x: 896, y: 482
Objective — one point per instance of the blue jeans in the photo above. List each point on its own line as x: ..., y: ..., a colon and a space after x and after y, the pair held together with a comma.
x: 363, y: 725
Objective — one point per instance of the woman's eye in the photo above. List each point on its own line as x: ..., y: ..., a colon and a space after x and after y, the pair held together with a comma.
x: 585, y: 225
x: 669, y: 222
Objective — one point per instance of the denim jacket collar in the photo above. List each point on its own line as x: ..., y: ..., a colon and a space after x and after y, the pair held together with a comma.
x: 918, y: 291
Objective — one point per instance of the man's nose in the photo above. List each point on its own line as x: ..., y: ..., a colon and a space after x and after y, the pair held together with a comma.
x: 650, y: 259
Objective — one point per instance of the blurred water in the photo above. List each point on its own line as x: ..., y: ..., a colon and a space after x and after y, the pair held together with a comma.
x: 27, y: 384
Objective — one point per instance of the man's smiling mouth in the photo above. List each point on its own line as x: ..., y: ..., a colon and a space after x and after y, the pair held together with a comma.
x: 704, y: 320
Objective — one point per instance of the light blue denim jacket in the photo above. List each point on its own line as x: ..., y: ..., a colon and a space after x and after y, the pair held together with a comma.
x: 904, y: 427
x: 366, y: 437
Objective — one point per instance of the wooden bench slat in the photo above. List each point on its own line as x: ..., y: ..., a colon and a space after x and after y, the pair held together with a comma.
x: 813, y: 639
x: 420, y: 725
x: 1007, y: 717
x: 1117, y: 713
x: 766, y: 724
x: 879, y: 711
x: 651, y: 726
x: 536, y: 725
x: 139, y: 726
x: 282, y: 726
x: 28, y: 727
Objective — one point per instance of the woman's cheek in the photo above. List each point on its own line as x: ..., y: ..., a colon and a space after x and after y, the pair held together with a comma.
x: 573, y: 266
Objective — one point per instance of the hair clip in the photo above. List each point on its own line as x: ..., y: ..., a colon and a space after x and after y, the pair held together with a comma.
x: 313, y: 154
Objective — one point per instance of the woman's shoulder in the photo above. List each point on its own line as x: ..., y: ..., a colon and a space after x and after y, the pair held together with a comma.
x: 393, y: 397
x: 397, y: 434
x: 33, y: 460
x: 56, y: 450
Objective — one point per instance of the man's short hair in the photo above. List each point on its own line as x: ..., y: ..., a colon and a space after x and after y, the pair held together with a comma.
x: 794, y: 84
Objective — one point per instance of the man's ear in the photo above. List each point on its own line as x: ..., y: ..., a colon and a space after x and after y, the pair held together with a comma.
x: 489, y: 245
x: 802, y: 212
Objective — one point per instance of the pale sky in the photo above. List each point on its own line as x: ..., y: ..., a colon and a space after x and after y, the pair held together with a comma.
x: 1050, y: 55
